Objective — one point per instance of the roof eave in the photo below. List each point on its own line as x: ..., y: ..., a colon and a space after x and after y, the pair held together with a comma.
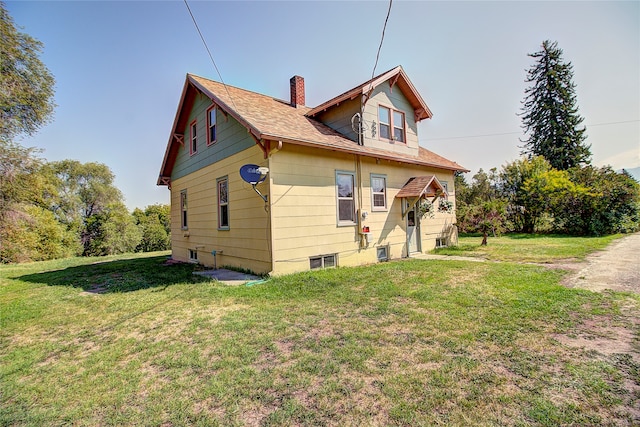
x: 171, y: 136
x: 358, y: 151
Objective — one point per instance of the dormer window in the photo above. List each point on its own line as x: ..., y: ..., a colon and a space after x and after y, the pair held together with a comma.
x: 391, y: 124
x: 398, y: 126
x: 384, y: 118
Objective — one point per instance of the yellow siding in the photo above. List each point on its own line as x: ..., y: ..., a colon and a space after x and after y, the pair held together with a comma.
x: 246, y: 243
x: 390, y: 98
x: 304, y: 217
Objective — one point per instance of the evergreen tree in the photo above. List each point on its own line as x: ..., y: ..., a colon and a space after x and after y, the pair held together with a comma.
x: 550, y: 114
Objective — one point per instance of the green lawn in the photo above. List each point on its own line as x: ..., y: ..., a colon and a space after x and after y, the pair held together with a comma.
x: 135, y: 342
x: 530, y: 248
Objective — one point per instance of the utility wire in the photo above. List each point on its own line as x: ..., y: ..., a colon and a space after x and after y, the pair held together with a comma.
x: 519, y: 133
x: 210, y: 55
x: 381, y: 39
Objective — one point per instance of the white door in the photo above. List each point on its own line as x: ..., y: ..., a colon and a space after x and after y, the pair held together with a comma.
x: 413, y: 231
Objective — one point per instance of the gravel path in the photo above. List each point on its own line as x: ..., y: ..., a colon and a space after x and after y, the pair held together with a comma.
x: 617, y: 268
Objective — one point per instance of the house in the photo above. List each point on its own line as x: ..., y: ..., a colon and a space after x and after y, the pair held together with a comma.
x: 341, y: 184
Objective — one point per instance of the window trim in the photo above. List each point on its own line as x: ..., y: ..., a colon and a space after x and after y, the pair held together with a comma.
x: 373, y: 193
x: 392, y: 126
x: 445, y: 185
x: 193, y: 137
x: 384, y: 123
x: 213, y: 108
x: 220, y: 205
x: 193, y: 255
x: 341, y: 222
x: 386, y: 253
x: 184, y: 204
x: 322, y: 258
x: 403, y: 127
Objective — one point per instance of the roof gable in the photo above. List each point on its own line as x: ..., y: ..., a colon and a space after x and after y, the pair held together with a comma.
x: 395, y: 76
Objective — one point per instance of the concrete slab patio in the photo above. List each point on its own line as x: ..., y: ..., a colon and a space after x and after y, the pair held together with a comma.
x: 228, y: 277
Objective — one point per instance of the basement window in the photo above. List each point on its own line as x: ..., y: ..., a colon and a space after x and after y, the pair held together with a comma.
x: 322, y: 261
x: 193, y: 255
x: 382, y: 253
x: 441, y: 242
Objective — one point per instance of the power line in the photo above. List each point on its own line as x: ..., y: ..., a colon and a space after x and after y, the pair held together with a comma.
x: 210, y: 55
x: 520, y: 133
x: 381, y: 40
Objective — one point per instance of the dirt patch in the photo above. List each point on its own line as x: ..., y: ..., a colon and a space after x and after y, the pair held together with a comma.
x: 616, y: 268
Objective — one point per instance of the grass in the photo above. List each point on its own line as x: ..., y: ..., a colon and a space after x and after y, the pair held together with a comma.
x: 532, y: 248
x: 131, y: 341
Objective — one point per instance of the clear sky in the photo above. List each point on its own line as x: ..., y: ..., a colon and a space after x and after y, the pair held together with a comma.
x: 120, y: 67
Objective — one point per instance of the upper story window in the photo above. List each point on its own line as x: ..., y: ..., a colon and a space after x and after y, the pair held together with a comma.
x: 384, y: 117
x: 398, y: 126
x: 183, y: 209
x: 392, y: 125
x: 211, y: 125
x: 378, y: 193
x: 345, y: 198
x: 223, y: 203
x: 193, y: 137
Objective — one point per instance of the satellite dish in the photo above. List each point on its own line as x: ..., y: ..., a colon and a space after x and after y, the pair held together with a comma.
x: 253, y: 174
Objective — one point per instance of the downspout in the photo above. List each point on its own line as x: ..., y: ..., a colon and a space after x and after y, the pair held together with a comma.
x: 359, y: 187
x: 268, y: 207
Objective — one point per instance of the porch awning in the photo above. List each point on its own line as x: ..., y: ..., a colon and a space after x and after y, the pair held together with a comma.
x: 419, y: 186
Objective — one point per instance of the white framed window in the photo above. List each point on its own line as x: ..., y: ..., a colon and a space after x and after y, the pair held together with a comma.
x: 392, y: 124
x: 193, y: 255
x: 211, y: 125
x: 346, y: 201
x: 398, y: 126
x: 193, y: 137
x: 183, y: 210
x: 378, y: 192
x: 384, y: 118
x: 323, y: 261
x: 223, y: 203
x: 441, y: 242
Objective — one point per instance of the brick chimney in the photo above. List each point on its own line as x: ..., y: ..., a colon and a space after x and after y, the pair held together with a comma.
x: 297, y: 91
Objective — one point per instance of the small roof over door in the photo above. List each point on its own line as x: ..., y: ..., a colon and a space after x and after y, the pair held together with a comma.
x: 419, y: 186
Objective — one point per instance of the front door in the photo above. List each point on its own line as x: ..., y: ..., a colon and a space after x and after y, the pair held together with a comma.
x: 413, y: 231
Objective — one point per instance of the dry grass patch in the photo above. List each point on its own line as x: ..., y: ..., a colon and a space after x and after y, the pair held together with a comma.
x: 399, y: 343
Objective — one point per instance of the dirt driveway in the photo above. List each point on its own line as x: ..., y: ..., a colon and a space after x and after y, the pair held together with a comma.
x: 616, y: 268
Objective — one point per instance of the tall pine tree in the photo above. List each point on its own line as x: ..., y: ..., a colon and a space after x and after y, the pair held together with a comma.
x: 550, y: 115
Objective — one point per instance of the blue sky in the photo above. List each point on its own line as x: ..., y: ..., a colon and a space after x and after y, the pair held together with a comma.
x: 120, y: 67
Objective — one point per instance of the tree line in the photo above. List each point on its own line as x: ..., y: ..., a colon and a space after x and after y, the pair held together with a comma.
x: 67, y: 208
x: 553, y: 188
x: 56, y: 209
x: 530, y: 196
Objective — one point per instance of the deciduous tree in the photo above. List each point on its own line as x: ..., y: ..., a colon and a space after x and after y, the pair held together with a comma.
x: 26, y: 85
